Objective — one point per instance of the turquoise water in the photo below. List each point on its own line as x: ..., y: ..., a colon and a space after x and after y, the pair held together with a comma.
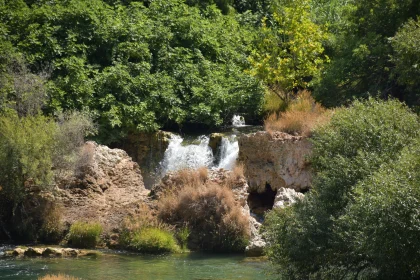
x: 114, y: 265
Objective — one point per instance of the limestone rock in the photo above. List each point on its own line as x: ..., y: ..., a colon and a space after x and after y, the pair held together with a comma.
x: 52, y: 252
x: 278, y: 160
x: 286, y: 197
x: 33, y: 252
x: 18, y: 252
x: 108, y: 187
x: 215, y: 141
x: 256, y: 244
x: 147, y: 149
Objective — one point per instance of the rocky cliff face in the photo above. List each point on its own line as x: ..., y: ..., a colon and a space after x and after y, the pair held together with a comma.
x: 147, y: 149
x: 277, y: 161
x: 107, y: 188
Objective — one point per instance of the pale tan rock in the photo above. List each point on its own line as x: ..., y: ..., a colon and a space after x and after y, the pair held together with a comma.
x: 286, y: 197
x: 18, y: 252
x: 279, y: 160
x: 108, y: 188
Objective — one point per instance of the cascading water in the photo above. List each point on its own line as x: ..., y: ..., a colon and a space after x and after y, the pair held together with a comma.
x: 238, y: 121
x: 229, y: 150
x: 198, y: 153
x: 178, y: 156
x: 194, y: 154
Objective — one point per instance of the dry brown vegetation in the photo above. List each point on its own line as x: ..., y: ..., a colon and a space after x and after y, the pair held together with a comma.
x: 57, y: 277
x: 210, y: 210
x: 236, y: 177
x: 301, y: 117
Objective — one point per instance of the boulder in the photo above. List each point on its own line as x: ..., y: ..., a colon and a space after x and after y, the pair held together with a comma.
x: 33, y: 252
x: 52, y: 252
x: 18, y: 252
x: 286, y: 197
x: 215, y: 141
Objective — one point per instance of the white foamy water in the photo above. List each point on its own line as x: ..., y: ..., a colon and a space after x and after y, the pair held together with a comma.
x: 197, y: 154
x: 178, y: 156
x: 238, y: 121
x: 229, y: 150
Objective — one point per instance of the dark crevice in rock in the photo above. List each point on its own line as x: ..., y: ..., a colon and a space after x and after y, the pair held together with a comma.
x: 259, y: 203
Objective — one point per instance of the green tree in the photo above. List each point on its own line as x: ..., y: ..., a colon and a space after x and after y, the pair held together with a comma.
x: 290, y: 51
x: 383, y: 223
x: 407, y: 58
x: 361, y: 65
x: 138, y: 65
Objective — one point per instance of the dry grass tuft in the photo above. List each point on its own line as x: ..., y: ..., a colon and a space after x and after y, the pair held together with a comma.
x: 58, y: 277
x: 210, y: 210
x: 190, y: 177
x: 236, y: 177
x: 301, y: 117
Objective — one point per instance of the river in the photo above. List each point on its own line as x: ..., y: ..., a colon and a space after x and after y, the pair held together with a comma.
x: 119, y: 265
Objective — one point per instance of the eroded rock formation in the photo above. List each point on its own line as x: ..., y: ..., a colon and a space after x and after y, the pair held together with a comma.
x: 108, y: 187
x: 278, y: 160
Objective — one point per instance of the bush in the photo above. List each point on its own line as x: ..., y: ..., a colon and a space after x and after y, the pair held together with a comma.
x: 57, y: 277
x: 301, y: 117
x: 145, y: 233
x: 152, y: 240
x: 85, y: 235
x: 214, y: 217
x: 182, y: 235
x: 383, y: 222
x: 315, y: 238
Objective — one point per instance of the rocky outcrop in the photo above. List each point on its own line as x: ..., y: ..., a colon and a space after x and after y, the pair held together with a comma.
x: 278, y: 160
x: 286, y: 197
x: 215, y: 141
x: 147, y: 149
x: 49, y: 252
x: 107, y: 187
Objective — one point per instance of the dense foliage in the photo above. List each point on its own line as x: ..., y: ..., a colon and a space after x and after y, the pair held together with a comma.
x: 137, y: 67
x: 343, y: 227
x: 364, y: 43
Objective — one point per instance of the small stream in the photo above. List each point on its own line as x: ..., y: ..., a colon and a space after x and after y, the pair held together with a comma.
x: 118, y: 265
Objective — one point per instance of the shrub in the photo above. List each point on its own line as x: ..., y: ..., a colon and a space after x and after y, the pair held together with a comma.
x: 301, y: 117
x: 57, y: 277
x: 145, y: 233
x: 212, y: 214
x: 235, y: 177
x: 182, y: 235
x: 85, y: 235
x: 315, y: 238
x: 152, y: 240
x: 383, y: 222
x: 52, y: 228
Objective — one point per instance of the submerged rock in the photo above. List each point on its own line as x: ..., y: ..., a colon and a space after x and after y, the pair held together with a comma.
x: 49, y: 252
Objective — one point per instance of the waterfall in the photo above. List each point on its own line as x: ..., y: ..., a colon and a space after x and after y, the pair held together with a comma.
x: 229, y: 150
x: 197, y: 153
x: 238, y: 121
x: 178, y: 156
